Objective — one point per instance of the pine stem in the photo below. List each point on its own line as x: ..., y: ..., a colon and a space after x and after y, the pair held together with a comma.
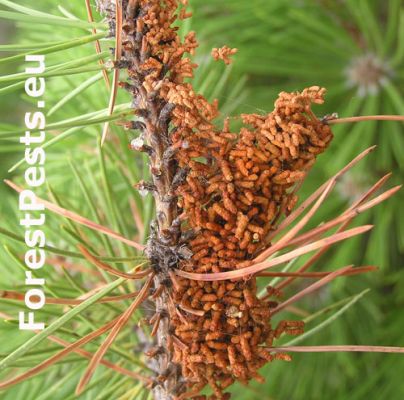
x: 154, y: 130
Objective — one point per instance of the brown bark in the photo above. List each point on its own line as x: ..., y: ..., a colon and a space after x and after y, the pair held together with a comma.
x: 153, y: 125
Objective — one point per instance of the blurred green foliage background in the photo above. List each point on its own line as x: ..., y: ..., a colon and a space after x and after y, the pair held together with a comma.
x: 354, y: 48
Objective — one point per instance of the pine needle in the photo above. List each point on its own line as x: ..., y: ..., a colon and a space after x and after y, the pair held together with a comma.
x: 105, y: 267
x: 256, y: 268
x: 328, y: 349
x: 285, y: 240
x: 311, y: 289
x: 366, y: 118
x: 97, y: 42
x: 118, y: 325
x: 73, y: 347
x: 115, y: 76
x: 354, y: 271
x: 79, y: 219
x: 299, y: 210
x: 316, y: 256
x: 347, y: 216
x: 12, y: 295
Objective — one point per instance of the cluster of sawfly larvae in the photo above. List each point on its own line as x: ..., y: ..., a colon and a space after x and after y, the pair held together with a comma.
x: 218, y: 194
x: 236, y: 187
